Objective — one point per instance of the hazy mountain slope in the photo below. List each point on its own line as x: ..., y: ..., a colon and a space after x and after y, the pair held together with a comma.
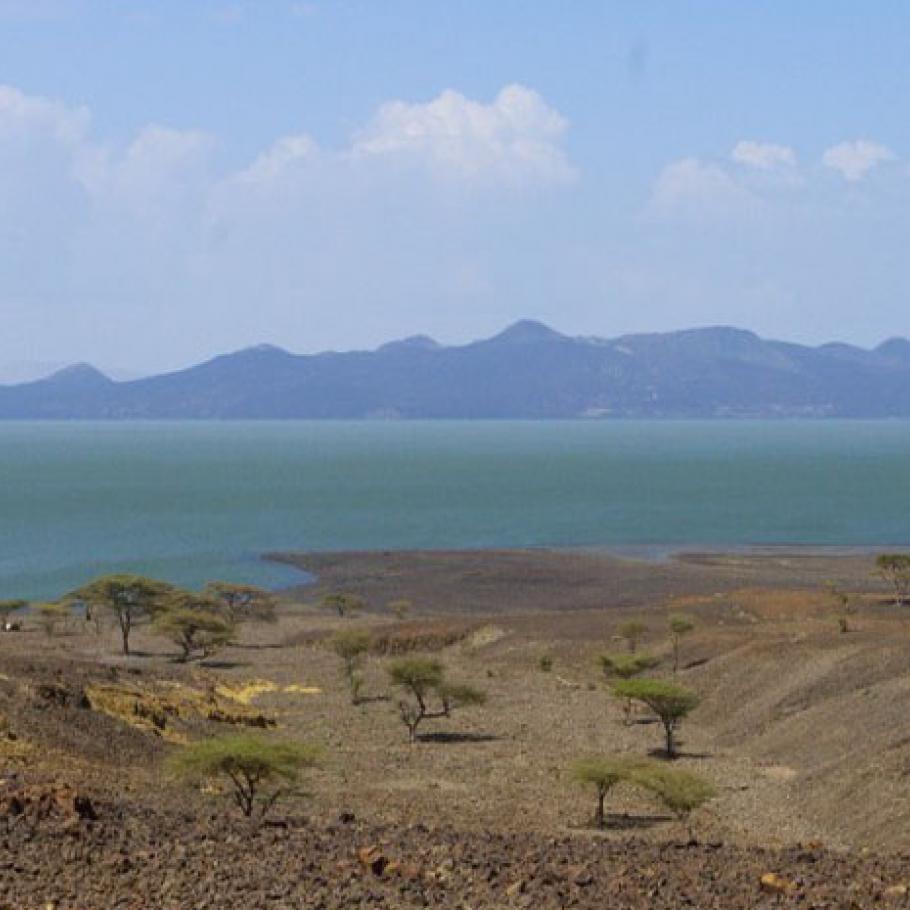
x: 526, y: 371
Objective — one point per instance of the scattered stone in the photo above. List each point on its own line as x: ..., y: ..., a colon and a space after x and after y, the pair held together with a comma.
x: 772, y: 883
x: 373, y: 858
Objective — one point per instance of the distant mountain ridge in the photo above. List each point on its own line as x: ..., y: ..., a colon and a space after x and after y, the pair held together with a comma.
x: 528, y: 370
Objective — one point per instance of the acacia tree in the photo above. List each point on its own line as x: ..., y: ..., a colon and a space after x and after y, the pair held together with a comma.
x: 423, y: 682
x: 129, y: 597
x: 894, y: 568
x: 671, y: 703
x: 679, y: 625
x: 193, y: 623
x: 604, y: 773
x: 681, y: 792
x: 633, y: 631
x: 243, y: 603
x: 351, y: 645
x: 250, y: 763
x: 7, y: 608
x: 626, y: 666
x: 343, y: 604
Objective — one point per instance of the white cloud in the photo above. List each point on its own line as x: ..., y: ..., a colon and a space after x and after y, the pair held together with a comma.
x: 29, y: 116
x: 286, y: 155
x: 517, y: 138
x: 766, y: 156
x: 159, y: 167
x: 692, y: 187
x: 853, y: 160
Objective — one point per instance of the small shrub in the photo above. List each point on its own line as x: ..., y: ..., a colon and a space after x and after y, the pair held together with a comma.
x: 894, y: 568
x: 843, y: 606
x: 680, y: 625
x: 633, y: 631
x: 626, y: 666
x: 250, y: 763
x: 344, y: 604
x: 681, y: 792
x: 546, y: 663
x: 351, y: 645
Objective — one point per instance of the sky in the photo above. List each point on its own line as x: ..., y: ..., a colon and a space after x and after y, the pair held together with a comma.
x: 181, y: 178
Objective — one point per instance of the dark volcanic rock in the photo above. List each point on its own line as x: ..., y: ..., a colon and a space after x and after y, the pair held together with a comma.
x: 124, y: 858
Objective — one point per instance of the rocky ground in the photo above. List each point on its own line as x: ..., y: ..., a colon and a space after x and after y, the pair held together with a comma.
x: 801, y: 729
x: 63, y: 853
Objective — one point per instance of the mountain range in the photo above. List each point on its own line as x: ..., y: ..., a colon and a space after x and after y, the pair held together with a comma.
x: 527, y: 371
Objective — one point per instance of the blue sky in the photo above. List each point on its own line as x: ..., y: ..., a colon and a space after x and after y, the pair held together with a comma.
x: 182, y: 178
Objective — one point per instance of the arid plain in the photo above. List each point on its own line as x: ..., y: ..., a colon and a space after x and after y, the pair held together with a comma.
x: 800, y: 727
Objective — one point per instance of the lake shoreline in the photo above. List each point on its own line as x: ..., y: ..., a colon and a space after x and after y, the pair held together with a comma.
x: 478, y: 581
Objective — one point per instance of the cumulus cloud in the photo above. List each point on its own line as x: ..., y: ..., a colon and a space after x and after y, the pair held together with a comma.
x: 152, y: 240
x: 160, y: 166
x: 516, y: 138
x: 27, y: 117
x: 765, y: 156
x: 288, y: 154
x: 854, y: 160
x: 693, y: 187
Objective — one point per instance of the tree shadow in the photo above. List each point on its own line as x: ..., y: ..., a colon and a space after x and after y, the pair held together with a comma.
x: 679, y: 753
x: 456, y: 738
x: 370, y: 699
x: 275, y: 646
x: 624, y: 822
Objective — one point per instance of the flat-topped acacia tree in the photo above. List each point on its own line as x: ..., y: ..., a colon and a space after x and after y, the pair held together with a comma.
x: 251, y: 764
x: 129, y: 597
x: 604, y: 773
x: 671, y: 703
x: 422, y: 679
x: 243, y: 603
x: 193, y: 622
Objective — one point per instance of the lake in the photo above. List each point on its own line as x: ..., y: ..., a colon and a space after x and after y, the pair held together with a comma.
x: 195, y: 501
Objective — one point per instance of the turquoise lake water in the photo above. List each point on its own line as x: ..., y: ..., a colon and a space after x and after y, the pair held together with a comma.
x: 190, y: 502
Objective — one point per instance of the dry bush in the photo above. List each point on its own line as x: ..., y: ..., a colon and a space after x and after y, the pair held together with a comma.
x: 399, y: 638
x: 432, y: 635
